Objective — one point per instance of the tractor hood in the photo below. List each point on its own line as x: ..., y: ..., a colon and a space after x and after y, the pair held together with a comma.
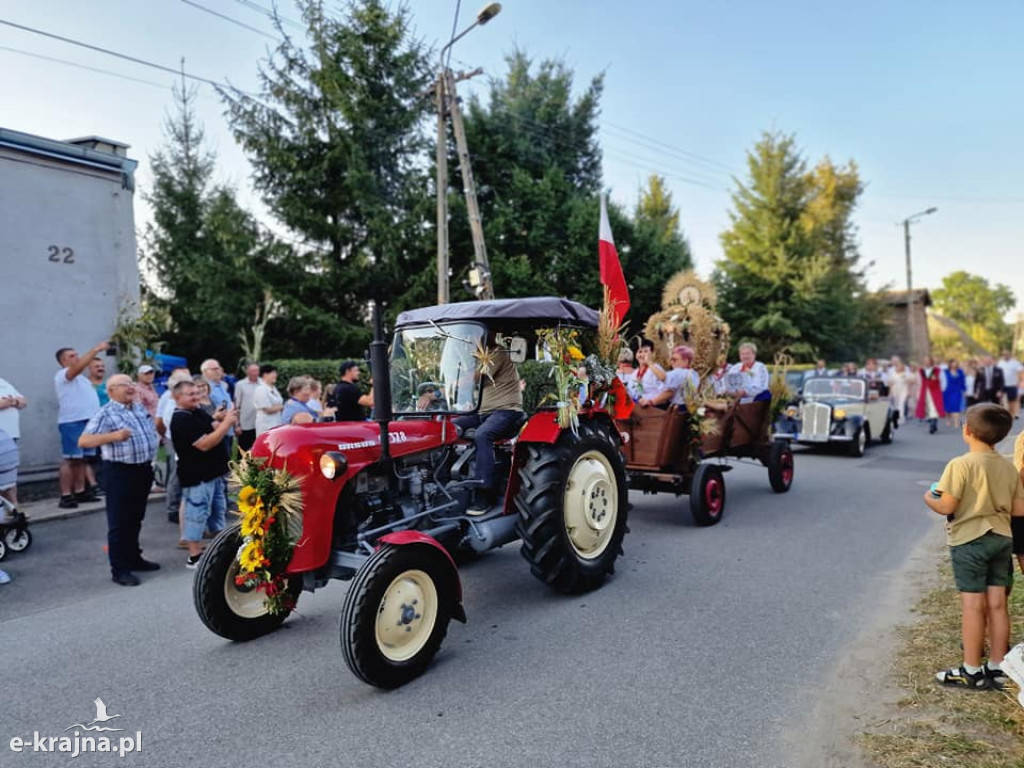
x: 297, y: 447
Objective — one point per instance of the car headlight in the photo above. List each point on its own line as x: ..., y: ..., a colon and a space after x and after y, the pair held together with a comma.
x: 792, y: 412
x: 333, y: 465
x: 839, y: 413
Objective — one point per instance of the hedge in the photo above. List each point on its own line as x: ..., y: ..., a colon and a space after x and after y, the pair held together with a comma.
x: 326, y: 371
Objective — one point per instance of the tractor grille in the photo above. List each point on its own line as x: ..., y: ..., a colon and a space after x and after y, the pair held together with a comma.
x: 817, y: 421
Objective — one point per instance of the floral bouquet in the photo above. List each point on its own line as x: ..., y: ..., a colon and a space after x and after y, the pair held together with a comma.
x: 270, y: 507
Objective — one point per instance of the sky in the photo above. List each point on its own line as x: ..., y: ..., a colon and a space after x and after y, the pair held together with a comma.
x: 926, y: 98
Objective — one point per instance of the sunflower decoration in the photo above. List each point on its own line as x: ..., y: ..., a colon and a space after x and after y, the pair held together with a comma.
x: 486, y: 360
x: 270, y: 508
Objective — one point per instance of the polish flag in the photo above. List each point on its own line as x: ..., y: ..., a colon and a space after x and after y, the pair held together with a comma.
x: 611, y: 269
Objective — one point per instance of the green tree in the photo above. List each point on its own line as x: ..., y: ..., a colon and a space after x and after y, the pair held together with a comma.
x: 978, y: 306
x: 791, y: 276
x: 337, y: 147
x: 537, y: 163
x: 207, y: 256
x: 657, y: 250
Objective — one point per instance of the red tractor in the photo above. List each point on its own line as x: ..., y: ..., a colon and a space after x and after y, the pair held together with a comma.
x: 385, y: 502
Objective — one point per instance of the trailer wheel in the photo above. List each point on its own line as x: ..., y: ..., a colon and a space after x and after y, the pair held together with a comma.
x: 780, y: 466
x: 396, y: 614
x: 572, y: 503
x: 707, y: 495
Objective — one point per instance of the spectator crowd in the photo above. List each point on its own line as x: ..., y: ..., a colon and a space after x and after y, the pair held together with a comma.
x: 121, y: 439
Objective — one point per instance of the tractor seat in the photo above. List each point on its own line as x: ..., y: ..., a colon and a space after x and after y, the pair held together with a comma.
x: 470, y: 433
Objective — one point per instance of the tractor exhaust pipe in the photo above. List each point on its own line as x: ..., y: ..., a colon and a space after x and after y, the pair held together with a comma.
x: 381, y: 384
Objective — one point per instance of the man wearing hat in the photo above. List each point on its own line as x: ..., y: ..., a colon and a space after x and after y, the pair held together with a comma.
x: 346, y: 397
x: 145, y: 394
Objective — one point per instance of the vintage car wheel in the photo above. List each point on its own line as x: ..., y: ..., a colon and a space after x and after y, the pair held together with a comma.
x: 572, y: 503
x: 780, y: 466
x: 396, y: 614
x: 860, y: 441
x: 707, y: 495
x: 231, y: 611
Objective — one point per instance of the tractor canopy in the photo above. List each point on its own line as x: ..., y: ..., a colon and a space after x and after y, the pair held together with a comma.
x: 534, y: 312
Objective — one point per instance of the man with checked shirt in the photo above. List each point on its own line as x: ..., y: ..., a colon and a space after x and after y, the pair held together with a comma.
x: 125, y: 434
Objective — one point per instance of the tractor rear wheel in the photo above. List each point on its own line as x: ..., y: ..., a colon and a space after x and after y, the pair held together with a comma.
x: 572, y: 503
x: 780, y: 466
x: 707, y: 494
x: 231, y: 611
x: 396, y: 614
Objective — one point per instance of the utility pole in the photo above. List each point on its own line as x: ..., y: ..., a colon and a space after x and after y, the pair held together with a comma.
x: 910, y: 283
x: 476, y: 225
x: 910, y: 293
x: 448, y: 100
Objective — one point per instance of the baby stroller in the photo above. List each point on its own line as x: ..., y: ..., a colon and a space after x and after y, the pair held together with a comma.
x: 14, y: 533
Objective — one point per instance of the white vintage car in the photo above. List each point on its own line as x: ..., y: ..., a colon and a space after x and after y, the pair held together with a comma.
x: 838, y: 409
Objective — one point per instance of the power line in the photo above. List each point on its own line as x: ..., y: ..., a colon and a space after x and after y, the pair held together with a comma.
x: 126, y: 57
x: 271, y: 13
x: 663, y: 148
x: 82, y: 66
x: 176, y: 72
x: 654, y: 140
x: 236, y: 22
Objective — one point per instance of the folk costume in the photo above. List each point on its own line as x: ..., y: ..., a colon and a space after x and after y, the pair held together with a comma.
x: 929, y: 401
x: 753, y: 379
x: 953, y: 394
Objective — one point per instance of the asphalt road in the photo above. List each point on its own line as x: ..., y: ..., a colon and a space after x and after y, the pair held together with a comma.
x: 707, y: 648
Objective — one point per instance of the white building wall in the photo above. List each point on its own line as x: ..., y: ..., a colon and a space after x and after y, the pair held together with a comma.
x: 67, y: 265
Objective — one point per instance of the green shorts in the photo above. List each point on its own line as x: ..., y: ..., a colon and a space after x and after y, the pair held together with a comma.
x: 985, y: 562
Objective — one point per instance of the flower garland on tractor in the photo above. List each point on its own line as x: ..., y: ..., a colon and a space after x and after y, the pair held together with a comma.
x: 270, y: 508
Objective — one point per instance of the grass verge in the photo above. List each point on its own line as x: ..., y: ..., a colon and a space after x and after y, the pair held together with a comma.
x: 932, y: 726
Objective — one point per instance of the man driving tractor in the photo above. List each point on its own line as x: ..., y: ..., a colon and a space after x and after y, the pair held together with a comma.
x: 499, y: 417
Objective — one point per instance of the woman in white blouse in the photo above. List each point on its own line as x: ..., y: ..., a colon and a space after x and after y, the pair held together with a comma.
x: 748, y: 379
x: 267, y: 400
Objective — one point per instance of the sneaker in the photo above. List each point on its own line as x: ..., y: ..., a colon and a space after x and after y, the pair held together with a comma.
x: 67, y: 502
x: 961, y: 678
x: 5, y: 578
x: 996, y: 678
x: 193, y: 562
x: 483, y: 501
x: 126, y: 579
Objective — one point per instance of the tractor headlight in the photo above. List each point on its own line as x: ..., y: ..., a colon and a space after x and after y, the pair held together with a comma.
x: 333, y: 464
x: 839, y: 413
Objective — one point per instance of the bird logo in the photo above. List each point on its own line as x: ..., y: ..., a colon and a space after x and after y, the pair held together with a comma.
x: 101, y: 717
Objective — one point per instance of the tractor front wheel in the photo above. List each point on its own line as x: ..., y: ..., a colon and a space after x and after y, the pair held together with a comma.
x: 231, y: 611
x: 396, y: 614
x: 572, y: 503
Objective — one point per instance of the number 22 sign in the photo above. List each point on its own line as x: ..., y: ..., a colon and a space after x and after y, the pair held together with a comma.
x: 61, y: 255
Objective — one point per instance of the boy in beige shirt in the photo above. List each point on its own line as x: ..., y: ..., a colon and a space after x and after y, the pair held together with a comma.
x: 978, y: 493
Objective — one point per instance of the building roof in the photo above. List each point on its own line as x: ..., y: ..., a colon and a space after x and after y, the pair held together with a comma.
x: 91, y: 152
x: 899, y: 298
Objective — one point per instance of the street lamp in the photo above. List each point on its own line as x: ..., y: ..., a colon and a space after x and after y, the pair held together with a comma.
x: 910, y: 284
x: 446, y: 97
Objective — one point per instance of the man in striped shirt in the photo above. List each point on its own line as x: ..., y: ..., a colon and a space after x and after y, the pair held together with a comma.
x: 124, y: 432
